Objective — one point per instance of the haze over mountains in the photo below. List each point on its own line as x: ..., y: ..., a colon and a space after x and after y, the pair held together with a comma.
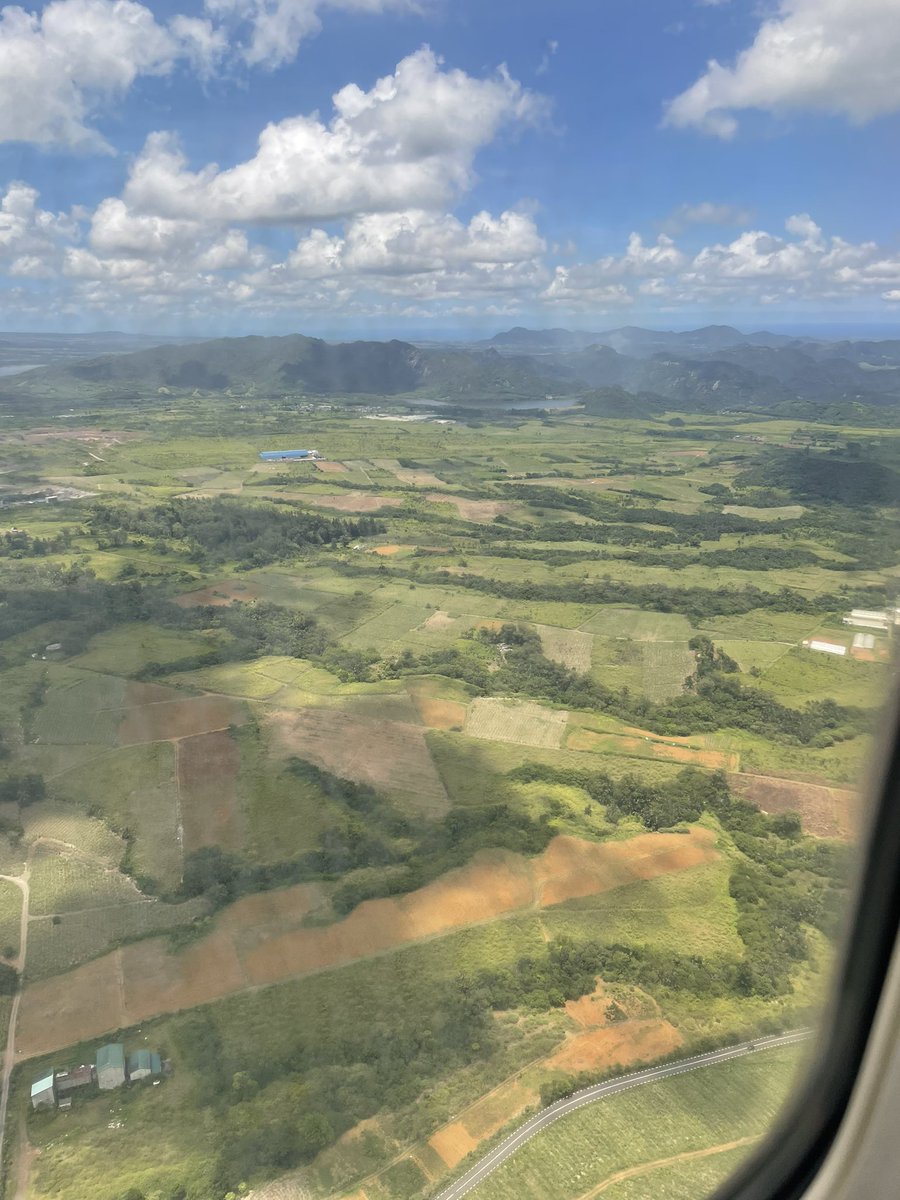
x: 629, y: 369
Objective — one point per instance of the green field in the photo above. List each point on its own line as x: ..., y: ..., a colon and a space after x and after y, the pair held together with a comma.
x: 709, y: 1107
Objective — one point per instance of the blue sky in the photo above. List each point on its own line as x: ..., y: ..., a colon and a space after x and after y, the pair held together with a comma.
x: 235, y: 165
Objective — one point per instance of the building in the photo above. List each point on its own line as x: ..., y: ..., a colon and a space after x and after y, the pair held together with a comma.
x: 143, y: 1063
x: 43, y: 1092
x: 287, y: 455
x: 864, y: 641
x: 67, y: 1081
x: 825, y: 647
x: 111, y: 1066
x: 873, y: 618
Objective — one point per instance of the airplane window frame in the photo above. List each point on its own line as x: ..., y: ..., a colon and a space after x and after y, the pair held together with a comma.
x: 788, y: 1161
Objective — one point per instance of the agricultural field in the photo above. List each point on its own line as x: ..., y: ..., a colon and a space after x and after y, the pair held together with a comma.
x: 402, y: 735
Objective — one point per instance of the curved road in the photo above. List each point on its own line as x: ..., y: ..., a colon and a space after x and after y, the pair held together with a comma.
x: 599, y: 1091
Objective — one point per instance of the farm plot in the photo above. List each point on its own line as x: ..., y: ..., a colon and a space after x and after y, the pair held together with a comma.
x: 135, y: 788
x: 10, y: 917
x: 66, y: 824
x: 824, y: 811
x: 520, y: 721
x: 665, y: 667
x: 385, y: 630
x: 81, y: 936
x: 355, y: 502
x: 575, y: 1156
x: 218, y: 595
x: 439, y: 703
x: 473, y: 510
x: 645, y: 746
x: 81, y: 708
x: 638, y: 625
x: 390, y: 755
x: 128, y: 648
x: 206, y: 770
x: 494, y: 883
x: 409, y: 475
x: 571, y: 647
x: 163, y: 713
x: 63, y: 883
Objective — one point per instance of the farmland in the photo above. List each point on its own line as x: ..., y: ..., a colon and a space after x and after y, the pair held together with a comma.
x: 494, y: 737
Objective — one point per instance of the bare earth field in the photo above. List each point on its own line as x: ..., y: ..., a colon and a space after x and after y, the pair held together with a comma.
x: 355, y: 502
x: 571, y: 647
x: 391, y: 755
x: 472, y: 510
x: 616, y: 1045
x: 408, y: 474
x: 642, y: 747
x: 151, y: 718
x: 207, y: 767
x: 824, y: 811
x: 143, y: 980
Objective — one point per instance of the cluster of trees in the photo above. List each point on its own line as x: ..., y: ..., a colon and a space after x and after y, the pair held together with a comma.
x: 226, y: 529
x: 23, y: 789
x: 839, y: 476
x: 16, y: 543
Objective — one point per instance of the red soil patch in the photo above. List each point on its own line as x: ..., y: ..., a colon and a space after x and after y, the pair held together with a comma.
x: 440, y: 714
x: 148, y: 720
x: 616, y: 1046
x: 824, y: 811
x: 355, y: 502
x: 570, y: 867
x: 389, y: 550
x: 207, y: 768
x: 453, y: 1143
x: 391, y: 755
x: 241, y: 952
x: 589, y: 1011
x: 648, y: 747
x: 330, y: 468
x: 219, y: 595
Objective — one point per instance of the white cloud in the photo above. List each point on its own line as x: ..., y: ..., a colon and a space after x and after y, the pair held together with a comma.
x: 274, y: 29
x: 55, y: 68
x: 59, y: 69
x: 409, y: 141
x: 827, y: 56
x: 705, y: 213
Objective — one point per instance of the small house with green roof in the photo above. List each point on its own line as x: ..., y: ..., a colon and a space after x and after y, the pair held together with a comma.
x: 43, y: 1092
x: 143, y: 1063
x: 111, y: 1066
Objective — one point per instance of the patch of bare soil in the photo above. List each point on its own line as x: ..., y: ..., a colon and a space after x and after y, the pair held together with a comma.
x: 472, y: 510
x: 207, y: 769
x: 616, y: 1045
x: 330, y: 468
x: 824, y: 811
x: 143, y: 979
x: 355, y: 502
x: 148, y: 720
x: 218, y: 595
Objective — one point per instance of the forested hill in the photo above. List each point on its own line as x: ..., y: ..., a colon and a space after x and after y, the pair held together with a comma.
x: 271, y: 366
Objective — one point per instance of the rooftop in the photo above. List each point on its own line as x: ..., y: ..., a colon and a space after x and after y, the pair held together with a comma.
x: 42, y: 1085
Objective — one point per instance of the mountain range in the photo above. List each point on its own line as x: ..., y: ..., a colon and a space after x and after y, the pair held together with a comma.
x: 710, y: 369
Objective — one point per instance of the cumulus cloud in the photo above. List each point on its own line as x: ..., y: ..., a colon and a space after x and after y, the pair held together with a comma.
x: 55, y: 68
x: 59, y: 69
x: 410, y: 141
x: 271, y: 30
x: 705, y: 213
x: 826, y: 56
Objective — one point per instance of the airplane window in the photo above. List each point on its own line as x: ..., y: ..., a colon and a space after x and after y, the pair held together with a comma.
x: 449, y: 591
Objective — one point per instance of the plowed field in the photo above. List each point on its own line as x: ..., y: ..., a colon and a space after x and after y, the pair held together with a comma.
x: 824, y: 811
x: 156, y: 720
x: 207, y: 767
x: 143, y: 979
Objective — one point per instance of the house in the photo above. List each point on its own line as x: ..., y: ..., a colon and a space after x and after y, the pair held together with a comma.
x: 287, y: 455
x: 43, y: 1092
x: 111, y: 1066
x: 143, y: 1063
x: 67, y: 1081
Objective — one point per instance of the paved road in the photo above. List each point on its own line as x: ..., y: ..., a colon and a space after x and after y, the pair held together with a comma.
x: 599, y: 1091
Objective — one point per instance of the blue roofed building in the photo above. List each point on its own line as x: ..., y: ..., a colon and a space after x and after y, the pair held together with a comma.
x: 111, y: 1066
x: 286, y: 455
x: 143, y: 1063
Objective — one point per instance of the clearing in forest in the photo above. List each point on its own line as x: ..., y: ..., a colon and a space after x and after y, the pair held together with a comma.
x: 389, y: 755
x: 143, y: 980
x: 519, y: 721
